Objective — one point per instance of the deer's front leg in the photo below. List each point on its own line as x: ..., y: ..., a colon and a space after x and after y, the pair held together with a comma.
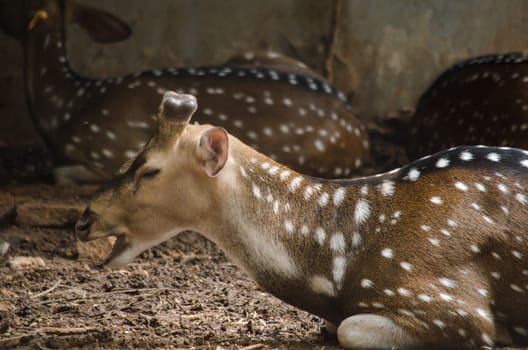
x: 370, y: 331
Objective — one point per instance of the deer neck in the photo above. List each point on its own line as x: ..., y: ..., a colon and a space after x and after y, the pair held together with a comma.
x: 280, y: 224
x: 50, y: 82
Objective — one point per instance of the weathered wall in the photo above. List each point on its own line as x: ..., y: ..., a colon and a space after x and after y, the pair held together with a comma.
x: 385, y: 52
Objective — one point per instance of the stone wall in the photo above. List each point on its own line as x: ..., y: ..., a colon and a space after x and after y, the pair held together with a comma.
x: 384, y: 53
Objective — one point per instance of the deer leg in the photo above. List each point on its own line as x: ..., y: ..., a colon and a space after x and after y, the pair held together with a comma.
x: 370, y: 331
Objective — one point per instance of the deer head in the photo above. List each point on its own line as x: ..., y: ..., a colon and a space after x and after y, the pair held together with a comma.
x: 190, y: 154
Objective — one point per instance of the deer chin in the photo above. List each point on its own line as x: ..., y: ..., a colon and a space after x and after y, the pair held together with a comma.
x: 127, y: 247
x: 124, y: 250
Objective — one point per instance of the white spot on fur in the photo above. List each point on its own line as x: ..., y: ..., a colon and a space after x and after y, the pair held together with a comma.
x: 445, y: 232
x: 517, y: 254
x: 308, y: 191
x: 243, y: 171
x: 320, y: 235
x: 461, y: 186
x: 446, y: 282
x: 284, y: 175
x: 436, y: 200
x: 424, y: 297
x: 487, y: 219
x: 323, y: 200
x: 451, y: 223
x: 295, y: 183
x: 339, y: 196
x: 466, y: 156
x: 288, y: 225
x: 322, y: 285
x: 110, y: 135
x: 484, y: 314
x: 403, y: 292
x: 483, y: 292
x: 339, y: 269
x: 337, y: 243
x: 434, y: 241
x: 364, y: 190
x: 494, y: 157
x: 445, y: 297
x: 442, y: 163
x: 107, y: 153
x: 362, y: 211
x: 387, y: 253
x: 480, y: 187
x: 366, y: 283
x: 440, y: 324
x: 413, y: 174
x: 387, y: 188
x: 406, y: 266
x: 256, y: 192
x: 319, y: 145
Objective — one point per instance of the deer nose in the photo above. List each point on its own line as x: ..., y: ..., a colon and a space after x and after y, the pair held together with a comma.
x: 82, y: 226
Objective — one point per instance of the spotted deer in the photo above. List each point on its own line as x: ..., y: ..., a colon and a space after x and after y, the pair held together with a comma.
x: 274, y: 103
x: 482, y: 100
x: 432, y: 255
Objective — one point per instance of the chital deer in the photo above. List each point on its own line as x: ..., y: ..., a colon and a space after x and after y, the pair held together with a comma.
x: 483, y: 100
x: 279, y: 106
x: 434, y: 254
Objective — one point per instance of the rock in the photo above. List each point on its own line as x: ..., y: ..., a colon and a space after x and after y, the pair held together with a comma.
x: 24, y: 262
x: 4, y: 247
x: 96, y: 250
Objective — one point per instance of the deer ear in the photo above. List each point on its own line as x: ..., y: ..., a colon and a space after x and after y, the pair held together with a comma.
x: 101, y: 26
x: 213, y: 149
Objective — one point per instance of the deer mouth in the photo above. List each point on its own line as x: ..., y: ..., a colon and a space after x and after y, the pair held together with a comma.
x: 120, y: 245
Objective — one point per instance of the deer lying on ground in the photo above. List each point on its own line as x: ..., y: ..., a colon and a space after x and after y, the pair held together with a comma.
x: 430, y: 255
x: 277, y: 105
x: 482, y: 100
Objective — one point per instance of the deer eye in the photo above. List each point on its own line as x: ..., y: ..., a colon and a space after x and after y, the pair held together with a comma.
x: 149, y: 173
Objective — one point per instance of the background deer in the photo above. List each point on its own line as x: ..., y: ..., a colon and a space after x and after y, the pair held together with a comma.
x: 482, y: 100
x: 279, y: 106
x: 430, y: 255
